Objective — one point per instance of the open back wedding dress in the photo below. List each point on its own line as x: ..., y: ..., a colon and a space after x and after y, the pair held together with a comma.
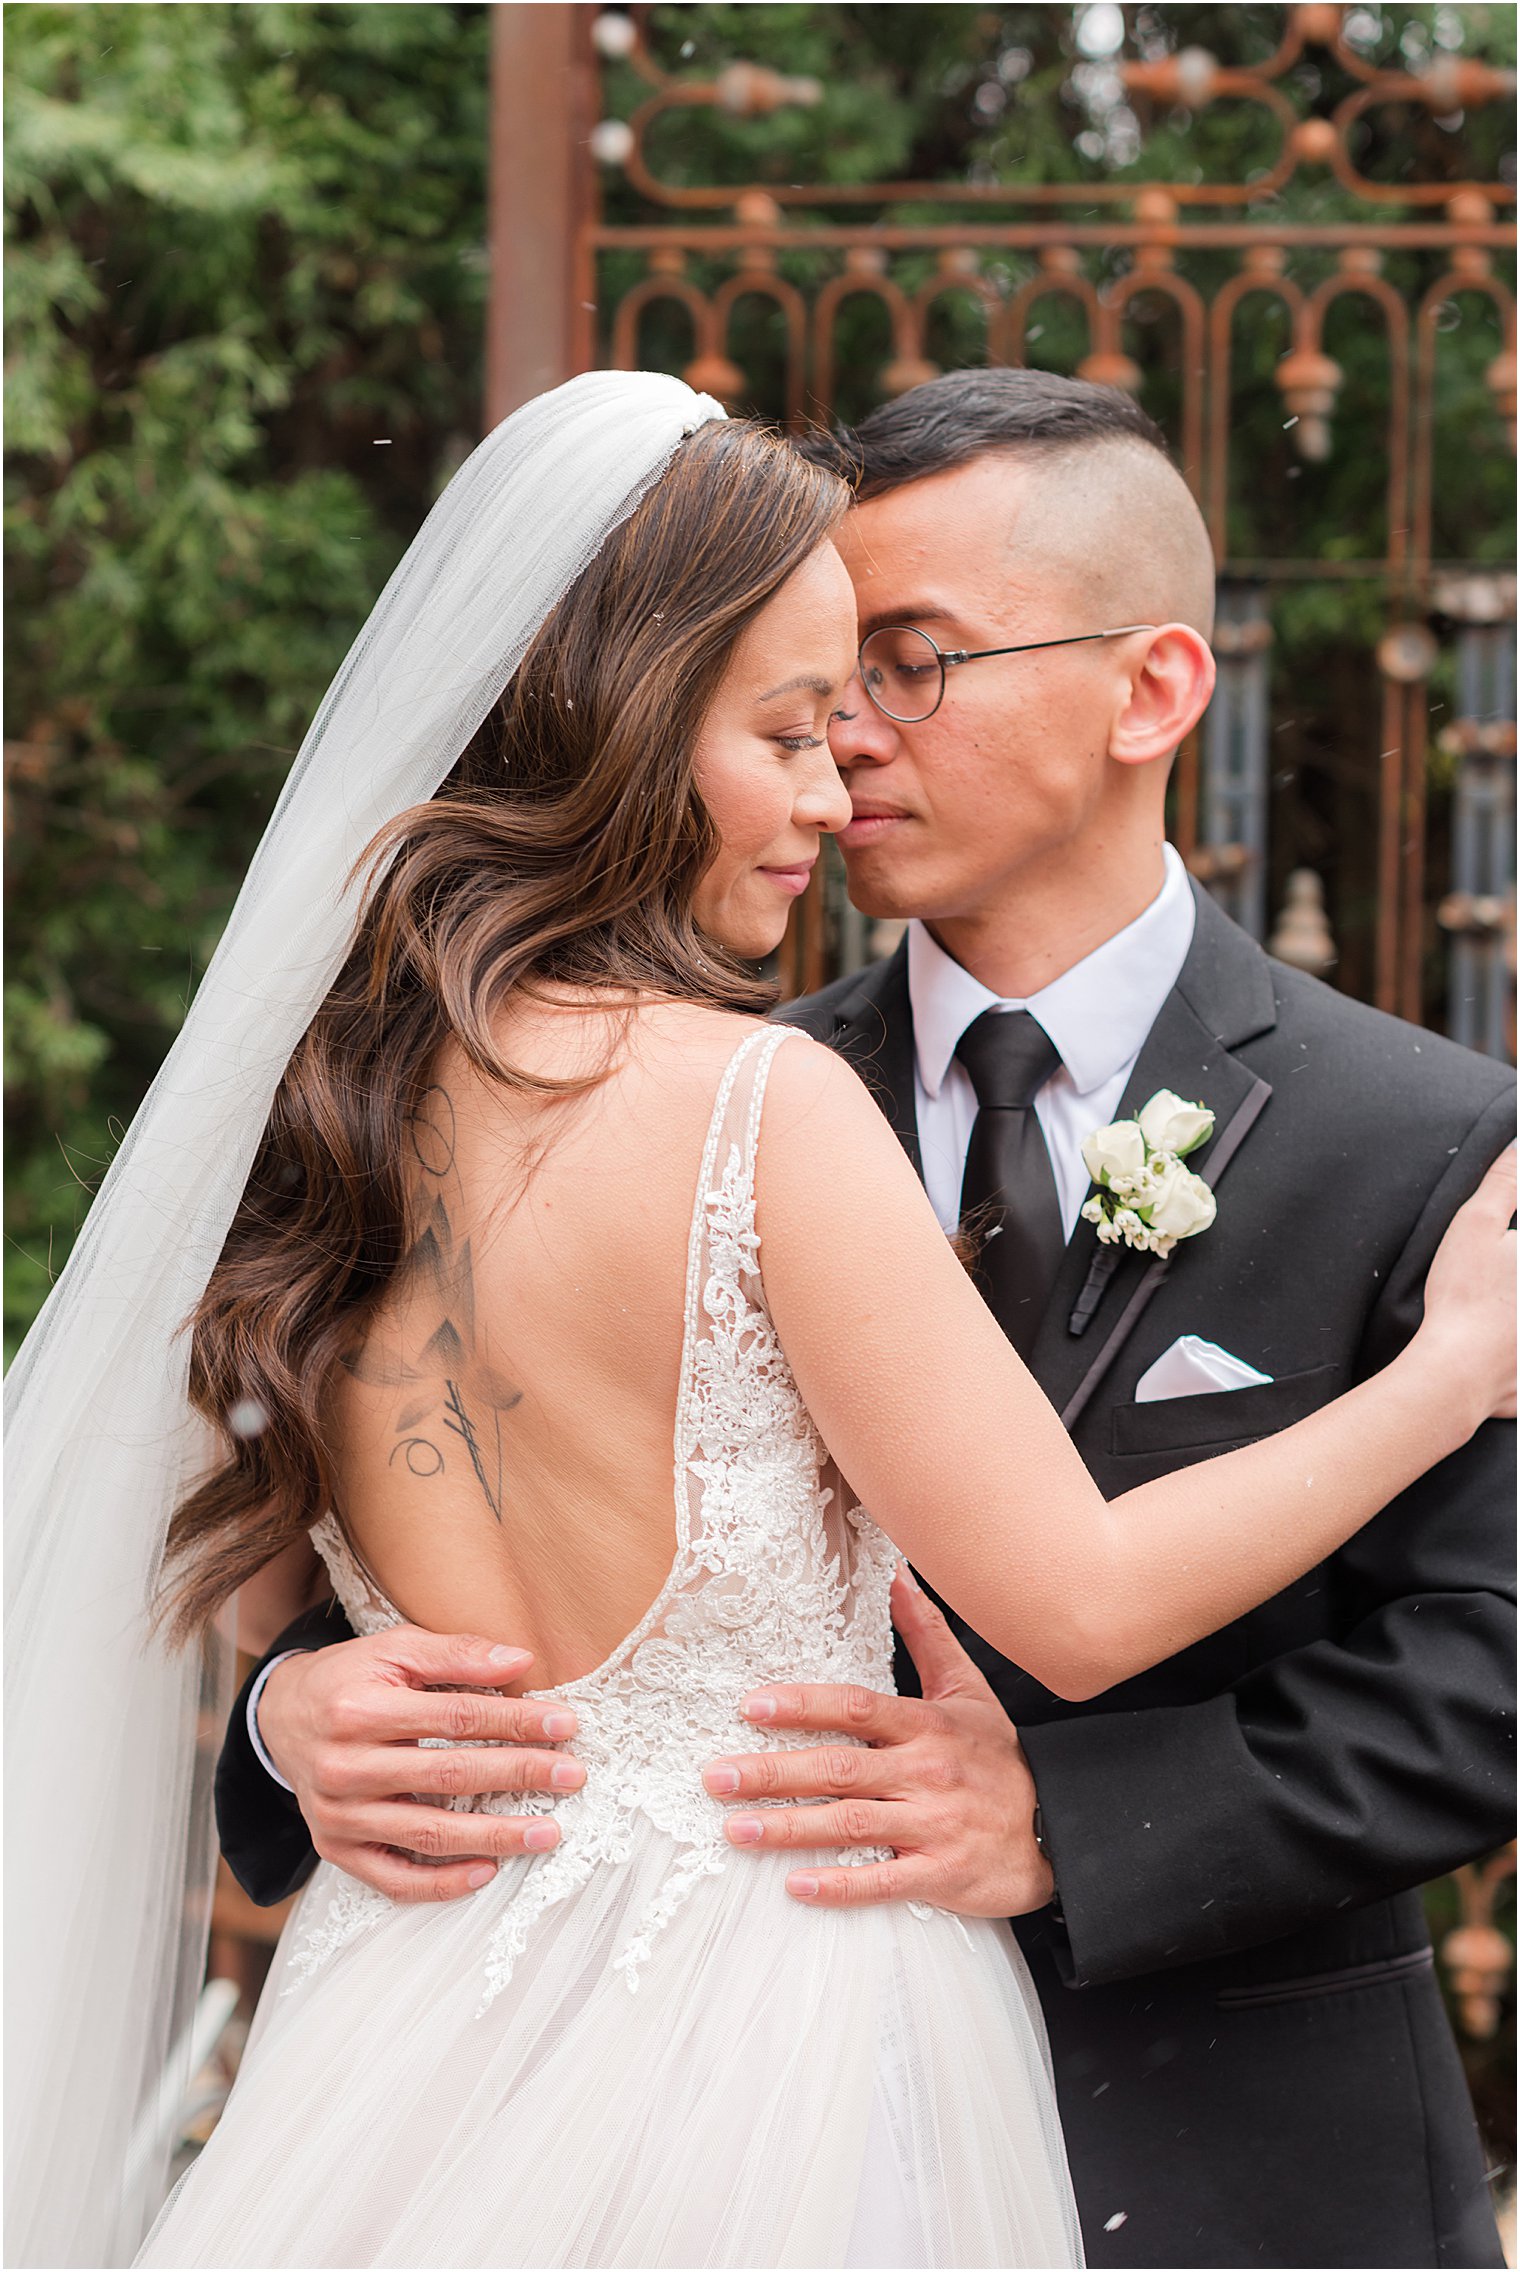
x: 638, y: 2049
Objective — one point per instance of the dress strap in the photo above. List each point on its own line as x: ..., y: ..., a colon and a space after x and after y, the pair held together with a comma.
x: 722, y: 1258
x: 733, y: 1136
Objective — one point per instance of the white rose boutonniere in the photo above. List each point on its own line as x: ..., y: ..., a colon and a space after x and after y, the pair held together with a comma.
x: 1114, y: 1152
x: 1169, y: 1124
x: 1146, y: 1198
x: 1182, y: 1206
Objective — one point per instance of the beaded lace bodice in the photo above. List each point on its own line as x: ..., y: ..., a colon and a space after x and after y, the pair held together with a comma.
x: 777, y: 1575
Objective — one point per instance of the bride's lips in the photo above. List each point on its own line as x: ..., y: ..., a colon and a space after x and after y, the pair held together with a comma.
x: 870, y: 824
x: 794, y: 880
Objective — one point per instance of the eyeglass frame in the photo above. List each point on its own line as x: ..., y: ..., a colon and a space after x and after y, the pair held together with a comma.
x: 950, y: 656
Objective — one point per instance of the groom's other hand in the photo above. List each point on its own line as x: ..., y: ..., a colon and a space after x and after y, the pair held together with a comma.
x: 344, y: 1725
x: 944, y: 1783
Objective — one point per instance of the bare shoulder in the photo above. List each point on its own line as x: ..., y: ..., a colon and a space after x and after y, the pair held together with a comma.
x: 689, y: 1035
x: 670, y: 1062
x: 654, y: 1070
x: 608, y: 1047
x: 811, y: 1087
x: 825, y: 1145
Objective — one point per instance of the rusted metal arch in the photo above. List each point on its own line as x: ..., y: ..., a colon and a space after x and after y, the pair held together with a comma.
x: 1455, y: 282
x: 1481, y: 86
x: 1308, y: 25
x: 1063, y: 280
x: 1252, y: 279
x: 927, y: 298
x: 661, y: 286
x: 758, y: 283
x: 749, y: 89
x: 1188, y: 302
x: 1366, y: 284
x: 1305, y: 27
x: 959, y: 273
x: 1167, y: 80
x: 873, y: 283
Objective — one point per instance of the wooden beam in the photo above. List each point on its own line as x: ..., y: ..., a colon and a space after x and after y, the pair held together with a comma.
x: 539, y: 329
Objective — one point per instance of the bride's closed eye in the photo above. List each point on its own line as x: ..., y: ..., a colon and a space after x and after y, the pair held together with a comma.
x: 814, y: 741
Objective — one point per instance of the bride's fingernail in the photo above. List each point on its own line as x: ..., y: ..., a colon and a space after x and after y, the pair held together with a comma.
x: 479, y: 1877
x: 540, y: 1836
x: 720, y: 1780
x: 759, y: 1707
x: 745, y: 1829
x: 802, y: 1885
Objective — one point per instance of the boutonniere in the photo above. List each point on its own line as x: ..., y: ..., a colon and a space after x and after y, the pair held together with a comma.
x: 1146, y: 1198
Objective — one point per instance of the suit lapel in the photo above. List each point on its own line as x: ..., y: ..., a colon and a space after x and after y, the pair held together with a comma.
x: 1223, y: 997
x: 874, y: 1030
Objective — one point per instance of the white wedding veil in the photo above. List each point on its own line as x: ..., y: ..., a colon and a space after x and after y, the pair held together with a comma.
x: 110, y: 1735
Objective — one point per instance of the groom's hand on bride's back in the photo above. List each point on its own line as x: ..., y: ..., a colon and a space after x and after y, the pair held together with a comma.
x: 345, y: 1725
x: 944, y: 1783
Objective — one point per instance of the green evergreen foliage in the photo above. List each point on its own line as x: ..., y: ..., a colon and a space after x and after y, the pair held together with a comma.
x: 246, y: 281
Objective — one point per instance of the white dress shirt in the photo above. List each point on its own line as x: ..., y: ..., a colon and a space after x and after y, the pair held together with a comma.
x: 1098, y: 1014
x: 254, y: 1737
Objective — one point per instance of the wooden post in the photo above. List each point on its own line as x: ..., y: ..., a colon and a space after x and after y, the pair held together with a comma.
x: 539, y: 328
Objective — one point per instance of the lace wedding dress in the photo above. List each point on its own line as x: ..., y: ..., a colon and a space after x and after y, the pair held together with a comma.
x: 638, y: 2049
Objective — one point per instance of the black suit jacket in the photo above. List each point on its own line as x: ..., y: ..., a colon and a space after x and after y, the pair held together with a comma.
x: 1251, y: 2056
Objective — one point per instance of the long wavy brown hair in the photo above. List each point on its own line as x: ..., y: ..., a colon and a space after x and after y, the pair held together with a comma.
x: 564, y: 849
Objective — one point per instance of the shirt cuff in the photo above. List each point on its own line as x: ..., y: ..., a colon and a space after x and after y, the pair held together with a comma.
x: 254, y: 1737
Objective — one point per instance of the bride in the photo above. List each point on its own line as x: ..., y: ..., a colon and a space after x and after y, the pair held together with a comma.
x: 485, y: 1191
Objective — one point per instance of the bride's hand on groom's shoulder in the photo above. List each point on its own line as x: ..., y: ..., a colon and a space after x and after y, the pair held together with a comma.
x: 345, y: 1726
x: 943, y: 1782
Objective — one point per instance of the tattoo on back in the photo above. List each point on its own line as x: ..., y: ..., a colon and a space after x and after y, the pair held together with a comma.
x: 459, y: 1420
x: 455, y: 1391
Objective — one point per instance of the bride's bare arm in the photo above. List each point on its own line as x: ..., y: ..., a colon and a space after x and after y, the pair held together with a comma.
x: 946, y: 1437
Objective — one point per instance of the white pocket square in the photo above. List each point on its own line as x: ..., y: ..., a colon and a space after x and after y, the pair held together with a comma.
x: 1194, y: 1367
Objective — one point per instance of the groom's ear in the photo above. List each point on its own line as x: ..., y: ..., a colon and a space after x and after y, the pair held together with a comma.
x: 1169, y: 692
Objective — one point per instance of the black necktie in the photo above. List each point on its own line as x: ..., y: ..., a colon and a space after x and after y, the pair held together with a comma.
x: 1008, y: 1194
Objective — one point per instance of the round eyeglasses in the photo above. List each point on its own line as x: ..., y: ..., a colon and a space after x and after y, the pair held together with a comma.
x: 903, y: 670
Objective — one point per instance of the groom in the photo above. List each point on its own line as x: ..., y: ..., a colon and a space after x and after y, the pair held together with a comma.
x: 1214, y: 1869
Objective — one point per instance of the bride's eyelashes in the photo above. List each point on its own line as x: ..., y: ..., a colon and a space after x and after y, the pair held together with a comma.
x: 814, y: 741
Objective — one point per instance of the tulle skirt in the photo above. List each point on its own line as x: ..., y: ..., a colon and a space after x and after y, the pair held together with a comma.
x: 786, y: 2086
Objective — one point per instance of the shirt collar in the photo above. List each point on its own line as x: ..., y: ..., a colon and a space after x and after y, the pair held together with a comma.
x: 1098, y: 1013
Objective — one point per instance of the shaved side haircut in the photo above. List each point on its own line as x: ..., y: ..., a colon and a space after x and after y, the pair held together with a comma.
x: 947, y: 422
x: 1114, y: 516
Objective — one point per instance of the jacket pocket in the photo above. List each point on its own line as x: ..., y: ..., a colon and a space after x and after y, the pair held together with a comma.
x: 1338, y: 1983
x: 1221, y: 1416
